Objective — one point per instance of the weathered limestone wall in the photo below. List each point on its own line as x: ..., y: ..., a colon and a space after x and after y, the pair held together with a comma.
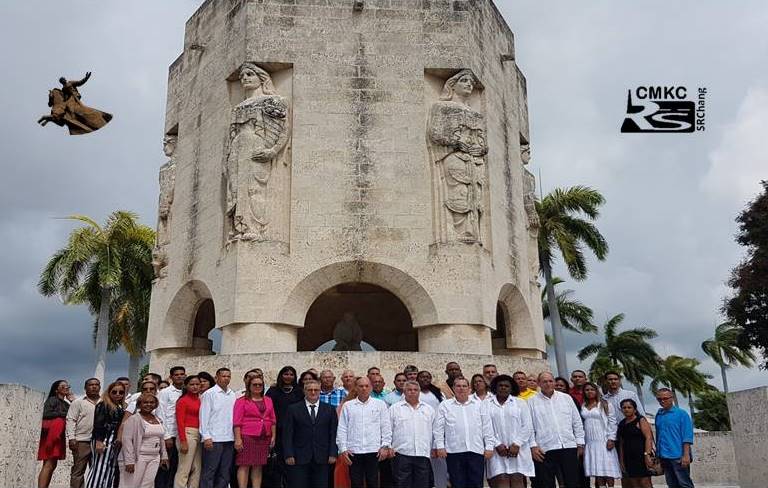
x: 21, y: 413
x: 359, y: 85
x: 749, y: 424
x: 714, y: 459
x: 389, y: 362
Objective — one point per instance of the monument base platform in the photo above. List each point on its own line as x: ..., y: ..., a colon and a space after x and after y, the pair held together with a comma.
x: 390, y: 363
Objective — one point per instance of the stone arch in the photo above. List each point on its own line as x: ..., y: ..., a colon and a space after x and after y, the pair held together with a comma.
x: 190, y: 317
x: 514, y: 318
x: 406, y: 288
x: 379, y: 317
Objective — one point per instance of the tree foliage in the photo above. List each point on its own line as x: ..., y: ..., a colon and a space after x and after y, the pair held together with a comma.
x: 629, y: 349
x: 574, y: 315
x: 724, y: 349
x: 566, y: 217
x: 681, y: 375
x: 108, y: 268
x: 711, y: 411
x: 748, y: 306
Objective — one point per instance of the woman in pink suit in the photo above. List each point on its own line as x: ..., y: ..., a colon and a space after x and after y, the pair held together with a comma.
x: 254, y: 423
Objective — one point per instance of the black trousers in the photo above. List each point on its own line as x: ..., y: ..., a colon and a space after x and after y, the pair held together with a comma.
x: 466, y: 469
x: 385, y: 474
x: 364, y: 472
x: 411, y: 472
x: 164, y: 477
x: 311, y: 475
x: 558, y: 461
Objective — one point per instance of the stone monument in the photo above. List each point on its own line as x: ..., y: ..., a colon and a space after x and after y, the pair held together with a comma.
x: 349, y: 170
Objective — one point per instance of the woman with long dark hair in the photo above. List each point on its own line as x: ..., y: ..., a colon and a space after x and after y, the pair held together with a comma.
x: 53, y: 444
x: 284, y: 392
x: 636, y: 447
x: 105, y: 445
x: 206, y: 381
x: 188, y: 441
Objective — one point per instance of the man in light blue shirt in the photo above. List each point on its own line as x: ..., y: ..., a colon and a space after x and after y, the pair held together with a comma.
x: 397, y: 394
x: 674, y: 437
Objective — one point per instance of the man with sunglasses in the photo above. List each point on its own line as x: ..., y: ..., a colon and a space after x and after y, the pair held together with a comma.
x: 674, y: 438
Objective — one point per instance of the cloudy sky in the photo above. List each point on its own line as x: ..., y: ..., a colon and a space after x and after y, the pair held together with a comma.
x: 671, y: 198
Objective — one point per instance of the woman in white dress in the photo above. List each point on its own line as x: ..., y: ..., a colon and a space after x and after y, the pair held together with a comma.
x: 601, y: 460
x: 513, y: 428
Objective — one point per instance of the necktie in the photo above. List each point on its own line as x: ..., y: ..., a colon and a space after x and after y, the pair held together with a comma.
x: 312, y: 412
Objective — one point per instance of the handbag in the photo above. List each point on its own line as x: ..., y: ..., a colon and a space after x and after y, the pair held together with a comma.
x: 656, y: 469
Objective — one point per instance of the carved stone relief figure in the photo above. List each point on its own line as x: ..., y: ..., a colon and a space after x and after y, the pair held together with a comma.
x: 456, y: 133
x: 529, y: 202
x: 533, y: 223
x: 167, y: 183
x: 348, y: 334
x: 258, y: 134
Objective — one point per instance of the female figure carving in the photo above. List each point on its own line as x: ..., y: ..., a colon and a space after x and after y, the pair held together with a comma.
x: 458, y: 147
x: 258, y: 133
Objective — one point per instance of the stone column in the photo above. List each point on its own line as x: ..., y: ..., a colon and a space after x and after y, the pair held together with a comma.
x: 749, y: 423
x: 258, y: 337
x: 456, y: 338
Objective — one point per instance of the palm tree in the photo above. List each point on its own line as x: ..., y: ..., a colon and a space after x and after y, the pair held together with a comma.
x: 574, y: 315
x: 97, y: 265
x: 563, y: 228
x: 629, y: 349
x: 681, y: 375
x: 712, y: 411
x: 724, y: 350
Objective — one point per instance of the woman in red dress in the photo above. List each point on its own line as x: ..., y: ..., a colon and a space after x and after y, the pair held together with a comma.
x: 53, y: 444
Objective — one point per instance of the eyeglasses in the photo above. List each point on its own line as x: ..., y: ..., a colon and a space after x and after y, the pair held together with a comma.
x: 663, y: 399
x: 117, y: 392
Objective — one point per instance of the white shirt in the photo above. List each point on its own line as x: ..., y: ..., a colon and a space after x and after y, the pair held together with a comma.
x: 430, y: 399
x: 487, y: 397
x: 309, y: 409
x: 216, y: 407
x: 512, y: 424
x: 556, y: 422
x: 615, y: 399
x: 364, y: 426
x: 166, y: 409
x: 463, y: 427
x: 412, y: 428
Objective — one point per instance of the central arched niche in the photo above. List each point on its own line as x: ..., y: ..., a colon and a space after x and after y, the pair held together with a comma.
x: 204, y: 324
x: 385, y: 322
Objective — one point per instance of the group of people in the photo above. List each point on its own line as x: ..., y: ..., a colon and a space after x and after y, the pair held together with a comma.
x: 305, y: 431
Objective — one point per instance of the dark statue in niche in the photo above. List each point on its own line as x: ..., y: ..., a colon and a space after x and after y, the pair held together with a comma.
x: 258, y: 135
x: 348, y: 334
x: 68, y: 109
x: 458, y: 147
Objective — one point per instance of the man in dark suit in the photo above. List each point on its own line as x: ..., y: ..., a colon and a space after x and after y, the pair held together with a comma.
x: 309, y: 439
